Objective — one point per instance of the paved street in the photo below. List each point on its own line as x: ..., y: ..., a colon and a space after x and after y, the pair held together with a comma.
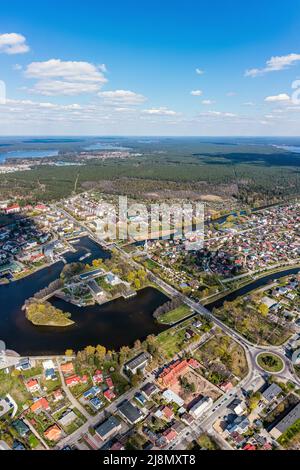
x: 252, y: 380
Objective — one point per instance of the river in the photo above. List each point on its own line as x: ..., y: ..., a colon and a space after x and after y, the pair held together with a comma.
x: 113, y: 325
x: 251, y: 286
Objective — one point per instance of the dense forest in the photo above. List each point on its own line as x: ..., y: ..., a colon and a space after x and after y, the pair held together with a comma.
x: 250, y: 173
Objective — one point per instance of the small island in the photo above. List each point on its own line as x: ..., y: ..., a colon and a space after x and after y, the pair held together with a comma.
x: 42, y: 313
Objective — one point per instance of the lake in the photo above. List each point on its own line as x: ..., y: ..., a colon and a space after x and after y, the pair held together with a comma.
x: 113, y: 325
x: 28, y: 154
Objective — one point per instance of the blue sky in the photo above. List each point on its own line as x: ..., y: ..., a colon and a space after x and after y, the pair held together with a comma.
x: 150, y: 67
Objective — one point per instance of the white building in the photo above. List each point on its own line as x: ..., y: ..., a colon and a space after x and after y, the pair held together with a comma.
x: 201, y: 406
x: 171, y: 396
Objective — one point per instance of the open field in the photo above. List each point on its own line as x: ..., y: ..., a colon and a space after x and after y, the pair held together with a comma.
x: 15, y: 387
x: 175, y: 315
x: 174, y: 339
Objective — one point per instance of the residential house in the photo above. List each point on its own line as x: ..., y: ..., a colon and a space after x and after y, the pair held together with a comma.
x: 39, y: 405
x: 271, y: 392
x: 130, y: 413
x: 53, y: 433
x: 138, y: 363
x: 108, y: 428
x: 32, y: 386
x: 67, y: 368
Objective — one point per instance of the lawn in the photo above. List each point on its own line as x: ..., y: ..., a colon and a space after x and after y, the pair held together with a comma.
x: 33, y: 441
x: 51, y: 385
x: 173, y: 340
x: 270, y: 362
x: 15, y: 387
x: 175, y: 315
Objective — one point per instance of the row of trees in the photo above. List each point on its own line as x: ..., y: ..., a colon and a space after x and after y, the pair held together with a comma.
x: 167, y: 307
x: 52, y: 287
x: 96, y: 355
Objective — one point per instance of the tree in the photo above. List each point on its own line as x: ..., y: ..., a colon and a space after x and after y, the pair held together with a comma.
x: 131, y: 276
x: 90, y: 350
x: 137, y: 284
x: 123, y: 354
x: 264, y: 309
x: 137, y: 344
x: 97, y: 263
x: 253, y: 400
x: 71, y: 270
x: 101, y: 351
x: 69, y: 352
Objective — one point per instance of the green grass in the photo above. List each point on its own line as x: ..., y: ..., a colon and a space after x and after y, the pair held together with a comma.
x: 173, y: 340
x: 15, y: 387
x: 150, y: 264
x: 175, y: 315
x: 270, y: 362
x: 51, y: 385
x: 33, y: 441
x: 79, y: 389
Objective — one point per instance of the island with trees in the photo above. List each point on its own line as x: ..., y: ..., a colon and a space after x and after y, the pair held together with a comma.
x: 42, y: 313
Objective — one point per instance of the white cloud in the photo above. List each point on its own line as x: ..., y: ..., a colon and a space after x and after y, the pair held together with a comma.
x: 231, y: 93
x: 13, y: 43
x: 278, y: 98
x: 44, y: 104
x: 103, y: 68
x: 122, y: 97
x: 218, y: 114
x: 275, y: 64
x: 196, y: 92
x: 162, y: 111
x: 207, y: 102
x: 68, y: 70
x: 124, y: 110
x: 199, y: 71
x: 60, y: 87
x: 249, y: 103
x: 57, y: 77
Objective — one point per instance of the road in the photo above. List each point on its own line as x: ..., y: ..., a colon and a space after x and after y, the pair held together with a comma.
x: 69, y: 395
x: 94, y: 420
x: 251, y: 350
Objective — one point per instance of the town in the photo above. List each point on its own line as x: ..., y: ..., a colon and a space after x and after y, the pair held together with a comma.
x: 222, y: 377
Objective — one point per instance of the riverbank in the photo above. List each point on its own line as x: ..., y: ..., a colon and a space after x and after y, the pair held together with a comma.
x: 214, y: 298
